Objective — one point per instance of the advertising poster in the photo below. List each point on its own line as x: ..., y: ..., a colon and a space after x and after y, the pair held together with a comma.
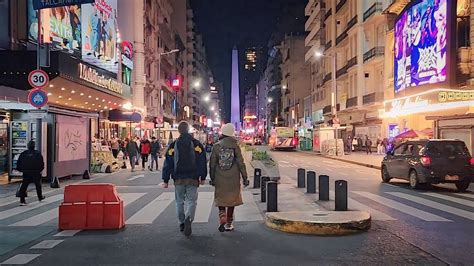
x: 420, y: 45
x: 61, y: 26
x: 72, y: 139
x: 99, y: 34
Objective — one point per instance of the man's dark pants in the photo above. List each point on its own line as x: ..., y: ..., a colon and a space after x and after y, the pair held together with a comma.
x: 24, y: 186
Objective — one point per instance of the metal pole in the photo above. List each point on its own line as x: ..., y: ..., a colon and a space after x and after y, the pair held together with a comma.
x: 272, y: 196
x: 311, y: 182
x: 301, y: 177
x: 38, y: 66
x: 340, y: 195
x: 323, y: 187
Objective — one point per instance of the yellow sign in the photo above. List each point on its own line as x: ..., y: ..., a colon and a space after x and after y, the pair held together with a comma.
x: 91, y: 75
x: 451, y: 96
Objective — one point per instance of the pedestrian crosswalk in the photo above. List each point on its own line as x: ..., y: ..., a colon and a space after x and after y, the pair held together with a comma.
x: 150, y: 210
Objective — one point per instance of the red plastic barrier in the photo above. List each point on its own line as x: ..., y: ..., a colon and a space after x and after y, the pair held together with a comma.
x: 91, y: 206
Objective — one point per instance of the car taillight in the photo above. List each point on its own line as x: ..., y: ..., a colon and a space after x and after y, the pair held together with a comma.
x: 425, y: 161
x: 471, y: 161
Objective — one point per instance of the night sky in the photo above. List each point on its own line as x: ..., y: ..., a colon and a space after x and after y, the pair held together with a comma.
x: 225, y: 23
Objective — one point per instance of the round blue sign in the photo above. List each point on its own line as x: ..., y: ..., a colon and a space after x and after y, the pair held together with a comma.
x: 38, y: 98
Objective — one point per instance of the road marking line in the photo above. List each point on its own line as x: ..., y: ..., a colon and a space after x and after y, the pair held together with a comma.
x: 67, y: 233
x: 128, y: 198
x: 204, y: 207
x: 135, y: 177
x: 152, y: 210
x: 468, y: 203
x: 249, y: 211
x: 38, y: 219
x: 467, y: 195
x: 375, y: 214
x: 47, y: 244
x: 402, y: 207
x: 21, y: 209
x: 433, y: 204
x: 21, y: 259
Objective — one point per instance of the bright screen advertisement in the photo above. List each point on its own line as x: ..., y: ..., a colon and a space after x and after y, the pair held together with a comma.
x: 99, y: 34
x: 420, y: 45
x: 61, y: 26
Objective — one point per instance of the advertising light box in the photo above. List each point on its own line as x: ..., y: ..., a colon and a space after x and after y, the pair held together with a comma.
x: 421, y: 49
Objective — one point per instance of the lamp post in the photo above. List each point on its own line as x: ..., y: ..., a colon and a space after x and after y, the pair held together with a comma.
x: 334, y: 87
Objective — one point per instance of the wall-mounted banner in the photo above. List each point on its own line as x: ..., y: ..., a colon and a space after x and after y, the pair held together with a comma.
x: 41, y: 4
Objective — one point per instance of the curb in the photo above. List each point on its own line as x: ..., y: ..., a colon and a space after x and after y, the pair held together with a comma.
x: 322, y: 223
x: 346, y: 161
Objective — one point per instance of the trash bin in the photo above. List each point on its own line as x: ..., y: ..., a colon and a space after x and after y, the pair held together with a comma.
x: 306, y: 144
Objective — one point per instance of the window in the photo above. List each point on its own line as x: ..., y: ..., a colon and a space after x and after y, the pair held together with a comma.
x: 399, y: 150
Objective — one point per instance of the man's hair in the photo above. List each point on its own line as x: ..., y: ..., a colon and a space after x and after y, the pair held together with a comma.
x: 31, y: 145
x: 183, y: 127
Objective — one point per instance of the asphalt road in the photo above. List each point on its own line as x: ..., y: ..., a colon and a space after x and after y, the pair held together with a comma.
x: 438, y: 221
x: 152, y: 236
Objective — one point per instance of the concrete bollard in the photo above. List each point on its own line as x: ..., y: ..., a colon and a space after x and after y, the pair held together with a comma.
x: 263, y: 188
x: 323, y: 187
x: 272, y: 196
x: 86, y: 175
x: 311, y: 182
x: 341, y: 195
x: 257, y: 175
x: 301, y: 178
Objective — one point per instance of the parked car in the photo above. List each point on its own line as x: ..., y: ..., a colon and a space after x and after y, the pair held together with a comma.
x: 425, y: 162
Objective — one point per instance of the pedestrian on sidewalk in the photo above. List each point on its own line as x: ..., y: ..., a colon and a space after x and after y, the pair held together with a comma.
x: 368, y: 145
x: 155, y: 150
x: 132, y: 150
x: 227, y: 167
x: 379, y: 146
x: 145, y: 149
x: 185, y: 162
x: 31, y: 164
x: 115, y: 147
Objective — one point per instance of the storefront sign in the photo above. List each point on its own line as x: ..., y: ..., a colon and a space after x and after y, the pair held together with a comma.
x: 451, y: 96
x: 91, y: 75
x: 40, y: 4
x: 127, y: 54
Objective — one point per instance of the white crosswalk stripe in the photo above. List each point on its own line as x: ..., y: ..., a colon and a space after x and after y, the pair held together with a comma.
x: 468, y: 203
x: 249, y: 211
x: 22, y: 209
x: 435, y: 205
x: 467, y: 195
x: 355, y: 205
x: 152, y: 210
x: 402, y: 207
x: 204, y: 207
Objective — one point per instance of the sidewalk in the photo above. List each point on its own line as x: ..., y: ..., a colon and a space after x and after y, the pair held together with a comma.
x: 358, y: 158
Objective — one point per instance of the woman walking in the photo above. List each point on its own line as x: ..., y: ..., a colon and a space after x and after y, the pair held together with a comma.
x: 226, y: 168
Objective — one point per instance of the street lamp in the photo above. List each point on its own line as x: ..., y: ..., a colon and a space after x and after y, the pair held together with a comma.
x: 207, y: 98
x: 197, y: 84
x: 212, y: 108
x: 334, y: 87
x: 270, y: 100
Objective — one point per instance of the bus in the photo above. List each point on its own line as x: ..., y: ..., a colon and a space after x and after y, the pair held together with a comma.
x: 283, y: 138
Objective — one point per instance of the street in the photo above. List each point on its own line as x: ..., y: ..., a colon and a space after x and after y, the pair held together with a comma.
x: 408, y: 226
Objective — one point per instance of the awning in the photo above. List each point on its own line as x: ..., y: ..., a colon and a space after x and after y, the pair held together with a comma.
x: 123, y: 116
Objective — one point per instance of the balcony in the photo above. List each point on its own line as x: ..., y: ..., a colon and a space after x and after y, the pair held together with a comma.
x: 327, y: 77
x: 341, y: 37
x: 341, y: 71
x: 314, y: 18
x: 328, y: 14
x: 309, y: 6
x: 340, y: 5
x: 351, y: 23
x: 328, y: 45
x: 286, y: 110
x: 372, y: 98
x: 327, y: 109
x: 373, y: 53
x: 352, y: 62
x: 351, y: 102
x: 376, y: 7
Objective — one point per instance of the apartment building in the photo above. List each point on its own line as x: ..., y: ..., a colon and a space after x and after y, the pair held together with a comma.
x: 352, y: 34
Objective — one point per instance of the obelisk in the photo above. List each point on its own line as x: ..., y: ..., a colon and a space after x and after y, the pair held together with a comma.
x: 235, y: 91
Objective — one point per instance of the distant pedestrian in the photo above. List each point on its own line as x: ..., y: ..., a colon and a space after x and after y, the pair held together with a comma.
x: 132, y: 150
x: 115, y: 147
x: 185, y: 162
x: 227, y: 167
x: 31, y: 164
x: 145, y: 149
x: 385, y: 144
x: 368, y: 145
x: 359, y: 143
x: 354, y: 143
x: 379, y: 145
x: 155, y: 150
x: 208, y: 149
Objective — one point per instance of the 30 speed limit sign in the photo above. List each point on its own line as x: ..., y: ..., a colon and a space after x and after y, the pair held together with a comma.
x: 38, y: 78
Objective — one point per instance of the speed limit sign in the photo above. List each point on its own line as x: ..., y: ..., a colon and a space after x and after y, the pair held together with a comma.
x: 38, y: 78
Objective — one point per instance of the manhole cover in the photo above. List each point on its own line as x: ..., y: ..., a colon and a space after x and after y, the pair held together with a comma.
x: 320, y: 214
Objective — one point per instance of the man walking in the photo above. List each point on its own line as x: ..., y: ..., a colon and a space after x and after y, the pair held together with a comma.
x: 145, y: 148
x: 31, y: 164
x: 185, y: 162
x: 132, y: 151
x: 155, y: 149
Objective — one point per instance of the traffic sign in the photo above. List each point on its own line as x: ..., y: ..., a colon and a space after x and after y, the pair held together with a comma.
x: 37, y: 113
x: 38, y: 98
x: 38, y: 78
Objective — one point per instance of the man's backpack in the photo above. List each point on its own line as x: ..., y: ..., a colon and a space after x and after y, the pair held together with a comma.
x: 226, y: 158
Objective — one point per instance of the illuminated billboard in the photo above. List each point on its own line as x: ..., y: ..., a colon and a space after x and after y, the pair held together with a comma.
x: 61, y: 26
x: 99, y: 34
x: 421, y: 45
